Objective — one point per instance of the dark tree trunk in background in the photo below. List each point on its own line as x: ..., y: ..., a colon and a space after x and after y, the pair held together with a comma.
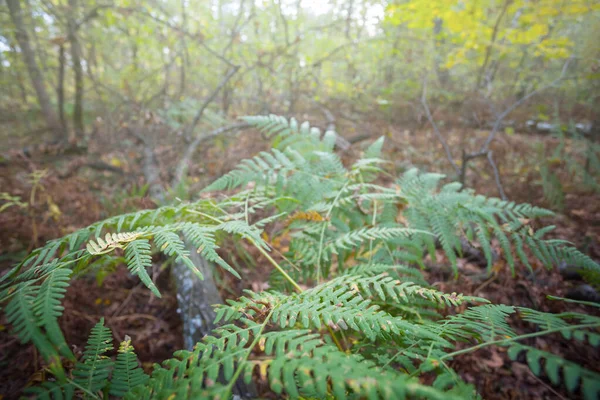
x: 61, y: 86
x: 77, y: 69
x: 37, y: 79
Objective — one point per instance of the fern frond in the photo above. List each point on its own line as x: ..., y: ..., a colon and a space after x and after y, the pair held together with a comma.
x: 555, y: 368
x: 296, y: 363
x: 264, y: 168
x: 356, y: 238
x: 52, y: 391
x: 204, y: 240
x: 486, y: 323
x: 127, y: 374
x: 244, y: 230
x: 20, y: 314
x: 139, y: 257
x: 171, y: 245
x: 312, y: 375
x: 563, y: 323
x: 92, y: 372
x: 48, y: 309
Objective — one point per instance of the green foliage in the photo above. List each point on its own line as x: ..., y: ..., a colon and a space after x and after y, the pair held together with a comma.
x: 91, y: 373
x: 366, y: 326
x: 553, y: 365
x: 127, y: 374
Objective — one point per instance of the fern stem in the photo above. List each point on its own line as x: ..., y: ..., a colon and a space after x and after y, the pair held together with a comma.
x: 240, y: 367
x: 277, y: 266
x: 263, y: 252
x: 373, y: 222
x: 85, y: 390
x: 325, y: 225
x: 501, y: 342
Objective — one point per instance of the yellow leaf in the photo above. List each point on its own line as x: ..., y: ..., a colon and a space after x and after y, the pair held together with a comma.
x: 115, y: 162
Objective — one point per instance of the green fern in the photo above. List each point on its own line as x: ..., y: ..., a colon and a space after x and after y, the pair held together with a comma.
x: 92, y: 372
x: 555, y: 367
x: 350, y: 314
x: 171, y: 244
x: 139, y: 257
x: 126, y: 374
x: 21, y: 315
x: 47, y: 308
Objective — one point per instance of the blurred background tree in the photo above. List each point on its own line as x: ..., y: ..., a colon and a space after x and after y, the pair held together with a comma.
x: 71, y: 61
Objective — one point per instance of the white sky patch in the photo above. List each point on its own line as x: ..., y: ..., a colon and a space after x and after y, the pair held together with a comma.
x: 318, y: 7
x: 374, y: 13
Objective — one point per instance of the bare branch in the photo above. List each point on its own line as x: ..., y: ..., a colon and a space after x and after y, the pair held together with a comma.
x: 436, y: 130
x: 91, y: 15
x: 496, y: 176
x: 182, y: 167
x: 209, y: 99
x: 522, y: 100
x: 341, y: 142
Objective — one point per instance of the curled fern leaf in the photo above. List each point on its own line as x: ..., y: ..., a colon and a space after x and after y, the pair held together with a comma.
x: 111, y: 242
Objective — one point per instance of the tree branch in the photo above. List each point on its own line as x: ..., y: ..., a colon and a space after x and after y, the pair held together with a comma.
x: 496, y: 176
x: 208, y: 100
x: 519, y: 102
x: 182, y: 167
x: 436, y: 130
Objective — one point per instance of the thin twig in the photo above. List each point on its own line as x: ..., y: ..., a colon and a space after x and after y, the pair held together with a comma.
x: 484, y: 150
x: 191, y: 149
x: 209, y: 99
x: 435, y: 128
x: 496, y: 176
x: 516, y: 104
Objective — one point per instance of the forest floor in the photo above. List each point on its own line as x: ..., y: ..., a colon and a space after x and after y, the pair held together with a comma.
x: 70, y: 196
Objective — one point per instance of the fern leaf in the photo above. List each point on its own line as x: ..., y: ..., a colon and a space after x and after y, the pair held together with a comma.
x: 21, y: 316
x: 138, y: 258
x: 52, y: 391
x: 573, y: 374
x: 127, y: 374
x: 204, y: 240
x: 171, y: 244
x: 48, y: 309
x: 92, y: 372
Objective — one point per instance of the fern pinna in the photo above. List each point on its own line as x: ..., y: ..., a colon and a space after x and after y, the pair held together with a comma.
x: 349, y: 313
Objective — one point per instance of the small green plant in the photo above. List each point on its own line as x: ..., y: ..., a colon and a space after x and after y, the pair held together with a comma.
x: 91, y: 373
x: 349, y: 315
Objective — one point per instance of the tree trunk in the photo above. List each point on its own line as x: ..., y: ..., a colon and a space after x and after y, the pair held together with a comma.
x: 60, y: 93
x: 77, y: 69
x: 37, y: 79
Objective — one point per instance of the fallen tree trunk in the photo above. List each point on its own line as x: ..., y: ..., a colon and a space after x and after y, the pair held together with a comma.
x: 195, y: 297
